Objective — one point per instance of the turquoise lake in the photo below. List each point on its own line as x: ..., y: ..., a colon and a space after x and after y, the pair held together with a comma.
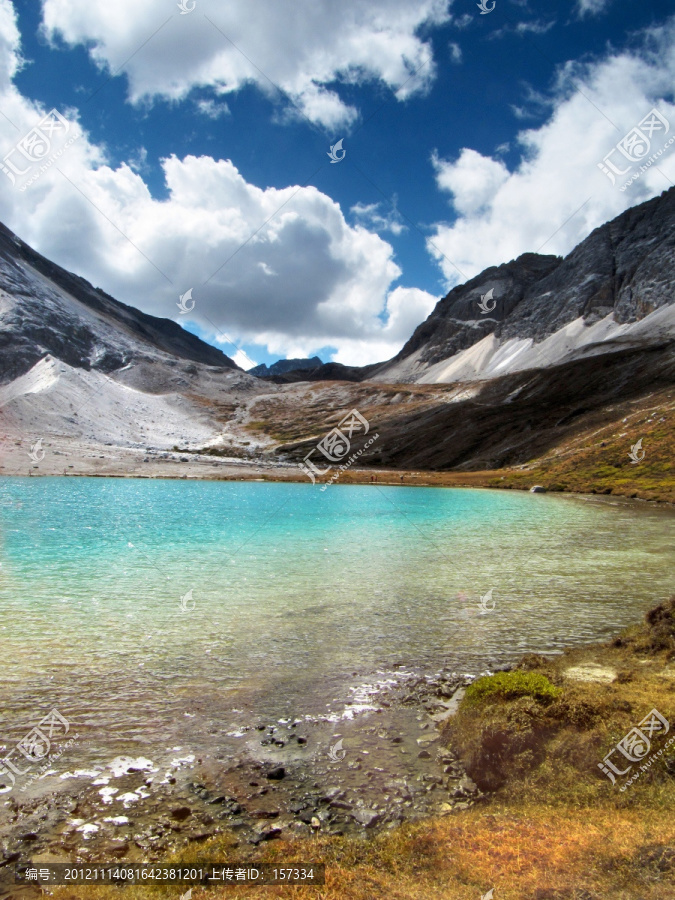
x: 298, y: 597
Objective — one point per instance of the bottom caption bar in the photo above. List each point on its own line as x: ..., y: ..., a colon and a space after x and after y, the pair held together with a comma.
x: 63, y: 873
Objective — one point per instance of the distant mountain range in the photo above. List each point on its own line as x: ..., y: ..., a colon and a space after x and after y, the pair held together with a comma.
x: 525, y: 356
x: 614, y: 291
x: 282, y: 366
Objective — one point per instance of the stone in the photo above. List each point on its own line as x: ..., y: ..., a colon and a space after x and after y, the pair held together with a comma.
x: 467, y: 785
x: 591, y: 672
x: 115, y: 848
x: 366, y: 817
x: 424, y: 754
x: 180, y: 813
x: 537, y: 489
x: 277, y: 773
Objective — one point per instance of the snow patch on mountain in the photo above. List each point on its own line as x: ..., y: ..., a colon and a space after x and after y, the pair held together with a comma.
x: 490, y: 357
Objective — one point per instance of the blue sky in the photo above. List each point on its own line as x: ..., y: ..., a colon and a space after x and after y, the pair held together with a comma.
x: 469, y: 139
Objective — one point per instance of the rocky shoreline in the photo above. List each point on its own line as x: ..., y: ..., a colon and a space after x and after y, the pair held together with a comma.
x: 386, y: 765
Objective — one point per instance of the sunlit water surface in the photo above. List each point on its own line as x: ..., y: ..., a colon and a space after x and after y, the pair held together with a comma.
x: 292, y: 598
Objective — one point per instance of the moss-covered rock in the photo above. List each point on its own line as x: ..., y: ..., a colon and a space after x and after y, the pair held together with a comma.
x: 509, y: 685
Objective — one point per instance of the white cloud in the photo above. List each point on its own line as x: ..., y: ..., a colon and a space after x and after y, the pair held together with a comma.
x: 138, y: 160
x: 212, y: 109
x: 374, y: 216
x: 241, y: 358
x: 557, y: 194
x: 307, y: 279
x: 463, y: 21
x: 300, y: 46
x: 591, y: 7
x: 405, y: 309
x: 473, y: 180
x: 10, y: 57
x: 534, y: 27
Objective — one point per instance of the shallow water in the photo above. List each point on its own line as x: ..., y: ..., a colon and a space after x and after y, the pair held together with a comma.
x: 300, y: 599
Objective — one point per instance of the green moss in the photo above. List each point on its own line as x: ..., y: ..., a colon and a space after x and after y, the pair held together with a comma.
x: 509, y: 685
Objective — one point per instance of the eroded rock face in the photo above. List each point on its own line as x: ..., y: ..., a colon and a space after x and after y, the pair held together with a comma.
x: 457, y: 323
x: 625, y: 268
x: 46, y: 310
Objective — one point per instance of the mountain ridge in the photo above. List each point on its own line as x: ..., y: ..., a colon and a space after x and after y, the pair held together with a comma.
x: 63, y: 315
x: 624, y: 269
x: 283, y: 366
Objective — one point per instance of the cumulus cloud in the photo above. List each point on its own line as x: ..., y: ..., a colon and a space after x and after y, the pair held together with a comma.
x: 473, y: 180
x: 298, y: 46
x: 242, y: 359
x: 278, y: 266
x: 405, y: 309
x: 558, y: 194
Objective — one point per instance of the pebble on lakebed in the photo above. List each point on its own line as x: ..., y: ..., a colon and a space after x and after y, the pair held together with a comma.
x: 395, y: 768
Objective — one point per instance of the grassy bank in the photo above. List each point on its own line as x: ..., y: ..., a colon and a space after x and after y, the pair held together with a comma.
x: 590, y: 455
x: 552, y: 826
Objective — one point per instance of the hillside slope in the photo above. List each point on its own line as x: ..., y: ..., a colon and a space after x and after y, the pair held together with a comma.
x: 544, y: 310
x: 46, y: 310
